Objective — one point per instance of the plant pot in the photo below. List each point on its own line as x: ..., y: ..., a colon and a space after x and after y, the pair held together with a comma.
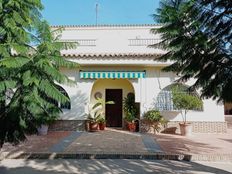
x: 151, y: 127
x: 185, y: 129
x: 131, y: 127
x: 87, y: 125
x: 42, y: 130
x: 102, y: 126
x: 93, y: 126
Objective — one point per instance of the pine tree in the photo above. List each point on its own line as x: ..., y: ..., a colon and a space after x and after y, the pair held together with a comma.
x: 197, y: 36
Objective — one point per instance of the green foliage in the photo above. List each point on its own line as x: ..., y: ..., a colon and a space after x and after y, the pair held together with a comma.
x: 33, y: 72
x: 197, y: 37
x: 185, y: 102
x: 97, y: 112
x: 154, y: 119
x: 45, y: 119
x: 153, y: 116
x: 101, y: 120
x: 17, y: 18
x: 129, y: 107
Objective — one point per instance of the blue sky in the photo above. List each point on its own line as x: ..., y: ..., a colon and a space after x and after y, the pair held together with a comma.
x: 79, y: 12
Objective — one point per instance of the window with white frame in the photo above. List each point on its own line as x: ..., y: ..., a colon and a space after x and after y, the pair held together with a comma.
x: 164, y: 100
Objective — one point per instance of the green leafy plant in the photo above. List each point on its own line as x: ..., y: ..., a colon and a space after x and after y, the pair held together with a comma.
x: 152, y: 115
x: 97, y: 111
x: 45, y: 120
x: 185, y: 102
x: 154, y: 119
x: 101, y: 120
x: 129, y: 107
x: 33, y: 72
x: 196, y: 35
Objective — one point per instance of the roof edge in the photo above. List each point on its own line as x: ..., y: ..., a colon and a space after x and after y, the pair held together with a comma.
x: 97, y: 55
x: 105, y: 25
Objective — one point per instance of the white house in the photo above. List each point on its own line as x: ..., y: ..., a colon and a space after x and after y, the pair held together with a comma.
x: 115, y: 60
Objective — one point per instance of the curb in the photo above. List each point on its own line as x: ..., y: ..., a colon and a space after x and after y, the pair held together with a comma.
x: 98, y: 155
x: 48, y: 155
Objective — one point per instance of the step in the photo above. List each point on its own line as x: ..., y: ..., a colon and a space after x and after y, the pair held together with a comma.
x: 147, y: 156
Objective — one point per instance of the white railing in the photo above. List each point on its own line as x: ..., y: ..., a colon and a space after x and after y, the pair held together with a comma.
x: 81, y: 42
x: 143, y: 42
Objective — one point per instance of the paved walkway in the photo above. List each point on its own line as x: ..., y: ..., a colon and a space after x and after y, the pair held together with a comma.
x: 199, y: 147
x: 108, y: 141
x: 110, y: 166
x: 197, y: 143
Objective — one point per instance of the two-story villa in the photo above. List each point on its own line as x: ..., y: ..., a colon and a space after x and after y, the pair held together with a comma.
x: 115, y: 60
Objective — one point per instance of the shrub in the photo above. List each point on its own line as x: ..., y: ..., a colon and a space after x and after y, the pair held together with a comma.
x: 185, y: 102
x: 129, y: 107
x: 153, y: 116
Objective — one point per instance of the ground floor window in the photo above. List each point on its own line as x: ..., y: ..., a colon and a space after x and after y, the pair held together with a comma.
x: 66, y: 105
x: 164, y: 100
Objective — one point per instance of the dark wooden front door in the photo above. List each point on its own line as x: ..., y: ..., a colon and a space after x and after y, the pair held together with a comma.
x: 114, y: 111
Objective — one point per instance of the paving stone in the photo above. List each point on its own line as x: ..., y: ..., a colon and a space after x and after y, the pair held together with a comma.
x: 64, y: 143
x: 150, y: 144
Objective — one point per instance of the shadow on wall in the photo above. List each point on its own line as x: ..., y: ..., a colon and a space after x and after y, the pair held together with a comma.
x: 105, y: 166
x: 78, y: 107
x: 170, y: 115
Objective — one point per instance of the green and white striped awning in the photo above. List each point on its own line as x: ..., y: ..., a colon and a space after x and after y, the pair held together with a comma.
x: 112, y: 74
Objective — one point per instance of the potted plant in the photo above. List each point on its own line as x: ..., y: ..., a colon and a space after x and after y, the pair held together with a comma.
x: 102, y: 123
x: 153, y: 121
x: 131, y: 111
x: 43, y: 122
x: 93, y: 124
x: 97, y: 113
x: 185, y: 102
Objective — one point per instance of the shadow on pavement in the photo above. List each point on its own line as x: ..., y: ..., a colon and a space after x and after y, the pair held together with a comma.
x: 104, y: 166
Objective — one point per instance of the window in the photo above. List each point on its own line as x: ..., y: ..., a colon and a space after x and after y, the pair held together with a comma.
x: 164, y: 99
x: 66, y: 105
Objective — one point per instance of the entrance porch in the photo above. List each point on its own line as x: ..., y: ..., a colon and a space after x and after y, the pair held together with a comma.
x: 112, y: 90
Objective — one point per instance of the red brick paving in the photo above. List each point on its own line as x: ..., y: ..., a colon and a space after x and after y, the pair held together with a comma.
x: 197, y: 143
x: 110, y: 140
x: 35, y: 143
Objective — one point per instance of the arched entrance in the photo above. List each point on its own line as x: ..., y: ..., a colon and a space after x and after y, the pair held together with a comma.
x: 112, y: 90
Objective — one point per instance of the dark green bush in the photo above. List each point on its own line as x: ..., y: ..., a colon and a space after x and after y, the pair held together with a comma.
x: 153, y: 116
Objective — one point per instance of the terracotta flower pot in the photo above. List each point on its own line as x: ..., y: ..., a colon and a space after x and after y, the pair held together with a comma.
x: 87, y: 125
x: 185, y: 129
x: 131, y: 127
x: 93, y: 126
x: 102, y: 126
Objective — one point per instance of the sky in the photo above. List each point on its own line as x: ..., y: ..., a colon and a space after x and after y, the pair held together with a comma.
x: 82, y: 12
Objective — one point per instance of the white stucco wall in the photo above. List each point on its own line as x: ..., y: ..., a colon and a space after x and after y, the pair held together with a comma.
x: 146, y: 91
x: 116, y: 40
x: 111, y: 39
